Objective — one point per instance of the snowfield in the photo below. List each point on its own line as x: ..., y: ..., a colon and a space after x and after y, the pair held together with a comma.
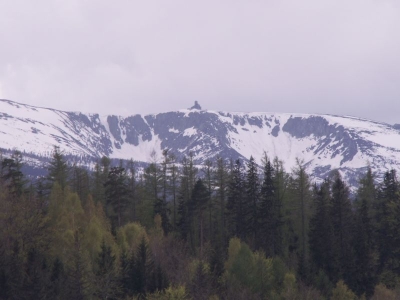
x: 322, y: 142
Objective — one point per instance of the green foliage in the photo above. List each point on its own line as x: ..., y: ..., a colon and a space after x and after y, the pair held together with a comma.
x: 300, y: 211
x: 116, y: 194
x: 80, y: 182
x: 197, y: 206
x: 236, y: 209
x: 171, y: 293
x: 289, y: 290
x: 59, y: 242
x: 99, y: 178
x: 58, y: 169
x: 252, y: 196
x: 248, y: 269
x: 323, y: 283
x: 343, y: 230
x: 387, y: 208
x: 106, y: 274
x: 382, y: 292
x: 270, y: 215
x: 96, y: 230
x: 66, y: 216
x: 366, y: 254
x: 201, y: 284
x: 129, y: 236
x: 342, y: 292
x: 11, y: 174
x: 321, y: 230
x: 220, y: 184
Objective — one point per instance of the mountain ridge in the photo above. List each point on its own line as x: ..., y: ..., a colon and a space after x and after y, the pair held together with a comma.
x: 324, y: 142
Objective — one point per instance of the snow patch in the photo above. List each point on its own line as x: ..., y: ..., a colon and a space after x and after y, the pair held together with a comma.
x: 190, y: 131
x: 173, y: 130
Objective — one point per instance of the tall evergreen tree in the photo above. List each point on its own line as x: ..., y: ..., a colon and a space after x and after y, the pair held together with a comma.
x: 208, y: 172
x: 364, y: 246
x: 270, y: 215
x: 252, y: 188
x: 221, y: 186
x: 142, y: 269
x: 301, y: 211
x: 161, y: 202
x: 80, y: 182
x: 184, y: 218
x: 199, y: 200
x: 387, y: 209
x: 106, y: 274
x: 343, y: 230
x: 236, y: 208
x: 282, y: 187
x: 174, y: 171
x: 11, y: 174
x: 132, y: 190
x: 58, y: 169
x: 152, y: 180
x: 321, y: 230
x: 100, y: 175
x: 116, y: 194
x: 154, y: 186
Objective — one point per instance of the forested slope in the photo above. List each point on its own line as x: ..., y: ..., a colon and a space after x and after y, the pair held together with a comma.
x: 216, y: 231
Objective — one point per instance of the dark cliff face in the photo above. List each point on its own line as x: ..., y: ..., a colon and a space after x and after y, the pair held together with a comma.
x: 340, y: 140
x: 329, y: 142
x: 210, y: 135
x: 304, y: 127
x: 113, y: 124
x: 204, y: 134
x: 135, y: 127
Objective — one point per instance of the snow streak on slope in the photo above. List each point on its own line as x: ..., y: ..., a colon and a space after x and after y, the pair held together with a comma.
x: 322, y: 142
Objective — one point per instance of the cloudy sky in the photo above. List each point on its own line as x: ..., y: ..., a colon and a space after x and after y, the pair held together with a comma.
x: 127, y: 56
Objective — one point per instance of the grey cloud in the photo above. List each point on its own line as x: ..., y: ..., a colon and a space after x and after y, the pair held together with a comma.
x: 126, y: 57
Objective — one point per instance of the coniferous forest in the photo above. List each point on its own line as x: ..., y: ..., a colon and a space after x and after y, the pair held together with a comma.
x: 176, y: 230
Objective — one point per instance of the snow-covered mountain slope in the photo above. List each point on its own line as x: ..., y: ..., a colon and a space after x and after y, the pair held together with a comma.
x: 323, y: 142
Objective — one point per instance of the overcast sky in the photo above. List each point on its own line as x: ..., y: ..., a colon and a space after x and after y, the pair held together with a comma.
x: 127, y: 56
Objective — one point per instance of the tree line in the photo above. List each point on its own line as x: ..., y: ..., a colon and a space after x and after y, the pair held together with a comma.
x: 176, y: 230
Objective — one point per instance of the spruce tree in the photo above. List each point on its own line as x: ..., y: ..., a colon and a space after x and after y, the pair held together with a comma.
x: 270, y: 216
x: 199, y: 200
x: 58, y: 169
x: 116, y: 194
x: 208, y: 172
x: 236, y: 208
x: 12, y: 176
x: 106, y: 274
x: 132, y: 190
x: 343, y: 230
x: 154, y: 186
x: 387, y: 220
x: 364, y: 245
x: 321, y: 230
x: 282, y: 183
x: 161, y: 202
x: 252, y: 188
x: 221, y: 185
x: 184, y: 216
x: 100, y: 175
x: 57, y: 280
x: 301, y: 211
x: 174, y: 171
x: 80, y: 182
x: 143, y: 268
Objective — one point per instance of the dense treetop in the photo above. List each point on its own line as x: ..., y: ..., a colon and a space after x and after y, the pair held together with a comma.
x: 222, y: 230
